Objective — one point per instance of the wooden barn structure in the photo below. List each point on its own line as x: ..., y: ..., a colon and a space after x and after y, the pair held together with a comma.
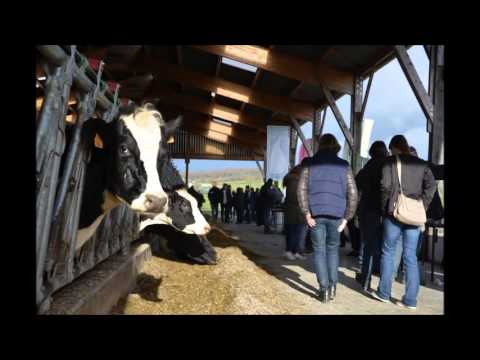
x: 228, y: 95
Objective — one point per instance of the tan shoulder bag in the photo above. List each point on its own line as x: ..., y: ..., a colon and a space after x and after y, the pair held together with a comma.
x: 407, y: 210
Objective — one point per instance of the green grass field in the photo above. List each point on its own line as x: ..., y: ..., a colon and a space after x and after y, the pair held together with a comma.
x: 203, y: 181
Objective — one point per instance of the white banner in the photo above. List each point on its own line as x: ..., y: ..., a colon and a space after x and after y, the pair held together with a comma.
x: 278, y: 151
x: 367, y: 126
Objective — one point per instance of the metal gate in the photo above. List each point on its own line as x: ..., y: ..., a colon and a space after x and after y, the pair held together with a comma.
x: 60, y: 175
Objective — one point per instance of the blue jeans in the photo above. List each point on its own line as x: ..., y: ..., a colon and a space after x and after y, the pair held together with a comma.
x: 398, y: 257
x: 371, y: 235
x: 295, y: 234
x: 267, y: 218
x: 326, y: 241
x: 392, y: 230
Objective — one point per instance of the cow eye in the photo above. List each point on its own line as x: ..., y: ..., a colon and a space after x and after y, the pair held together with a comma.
x: 123, y: 149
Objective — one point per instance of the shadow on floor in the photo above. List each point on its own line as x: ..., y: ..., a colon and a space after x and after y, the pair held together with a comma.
x: 146, y: 287
x: 277, y: 267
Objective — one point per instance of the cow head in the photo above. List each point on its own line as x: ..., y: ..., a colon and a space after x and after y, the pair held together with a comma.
x: 182, y: 213
x: 133, y: 142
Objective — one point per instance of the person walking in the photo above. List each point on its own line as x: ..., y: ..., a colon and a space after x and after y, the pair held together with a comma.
x: 224, y: 204
x: 247, y: 199
x: 214, y: 196
x: 295, y: 224
x: 406, y: 179
x: 253, y: 205
x: 240, y: 204
x: 229, y: 205
x: 369, y: 212
x: 328, y: 198
x: 266, y: 200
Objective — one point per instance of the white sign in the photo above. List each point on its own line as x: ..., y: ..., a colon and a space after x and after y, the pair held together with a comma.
x: 278, y: 151
x: 367, y: 126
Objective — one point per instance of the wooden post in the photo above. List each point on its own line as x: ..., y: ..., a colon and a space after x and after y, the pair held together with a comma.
x: 265, y: 166
x: 260, y: 168
x: 316, y: 128
x: 320, y: 131
x: 338, y: 115
x: 293, y: 146
x: 414, y: 81
x: 436, y: 87
x: 302, y: 137
x: 187, y: 161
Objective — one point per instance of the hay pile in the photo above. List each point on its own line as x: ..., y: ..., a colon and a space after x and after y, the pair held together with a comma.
x: 236, y: 285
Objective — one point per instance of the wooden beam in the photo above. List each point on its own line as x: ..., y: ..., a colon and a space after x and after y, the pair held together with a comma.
x: 196, y: 104
x: 218, y: 137
x: 320, y: 131
x: 252, y: 85
x: 260, y: 168
x: 178, y: 49
x: 338, y: 115
x: 285, y: 65
x: 365, y: 100
x: 380, y: 58
x: 302, y: 137
x: 205, y: 122
x: 298, y: 109
x: 356, y: 124
x: 296, y: 88
x: 414, y: 81
x: 428, y: 50
x: 436, y: 136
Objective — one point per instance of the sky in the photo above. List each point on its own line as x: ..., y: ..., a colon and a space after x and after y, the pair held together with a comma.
x: 391, y: 105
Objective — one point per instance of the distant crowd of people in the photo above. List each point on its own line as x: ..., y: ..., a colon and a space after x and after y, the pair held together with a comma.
x: 245, y: 205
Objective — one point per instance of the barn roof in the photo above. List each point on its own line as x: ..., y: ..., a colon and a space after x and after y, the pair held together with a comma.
x: 280, y: 81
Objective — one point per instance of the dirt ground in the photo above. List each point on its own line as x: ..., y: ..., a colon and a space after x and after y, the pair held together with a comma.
x: 252, y: 277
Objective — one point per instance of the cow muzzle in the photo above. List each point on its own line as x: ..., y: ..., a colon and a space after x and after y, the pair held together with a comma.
x: 150, y: 203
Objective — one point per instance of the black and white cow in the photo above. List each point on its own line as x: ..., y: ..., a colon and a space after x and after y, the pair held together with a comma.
x: 125, y: 169
x: 182, y: 227
x: 165, y: 239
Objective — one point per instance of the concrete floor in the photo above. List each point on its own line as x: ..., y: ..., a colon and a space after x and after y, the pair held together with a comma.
x: 299, y: 279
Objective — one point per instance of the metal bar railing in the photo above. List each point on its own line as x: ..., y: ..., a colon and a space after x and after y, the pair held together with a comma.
x: 50, y: 144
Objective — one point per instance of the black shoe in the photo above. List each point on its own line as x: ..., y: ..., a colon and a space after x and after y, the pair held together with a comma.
x: 332, y: 292
x: 359, y: 278
x: 323, y: 295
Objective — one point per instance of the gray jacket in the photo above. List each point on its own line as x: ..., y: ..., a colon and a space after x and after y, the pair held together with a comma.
x: 352, y: 193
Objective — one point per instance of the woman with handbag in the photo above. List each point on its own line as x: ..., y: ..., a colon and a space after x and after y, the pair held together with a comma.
x: 407, y: 188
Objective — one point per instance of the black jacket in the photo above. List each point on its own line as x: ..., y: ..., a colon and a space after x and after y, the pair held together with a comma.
x: 214, y: 195
x: 417, y: 181
x: 368, y: 184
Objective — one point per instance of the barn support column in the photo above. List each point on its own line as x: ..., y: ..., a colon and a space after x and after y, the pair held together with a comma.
x: 302, y: 136
x: 338, y: 116
x: 356, y: 114
x: 50, y: 145
x: 293, y: 146
x: 260, y: 168
x: 415, y: 83
x: 187, y: 161
x: 316, y: 128
x: 436, y: 91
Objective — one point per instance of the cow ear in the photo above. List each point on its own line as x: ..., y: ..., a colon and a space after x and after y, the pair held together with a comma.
x: 172, y: 125
x: 98, y: 126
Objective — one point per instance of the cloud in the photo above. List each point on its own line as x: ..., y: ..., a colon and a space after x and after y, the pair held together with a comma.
x: 418, y: 138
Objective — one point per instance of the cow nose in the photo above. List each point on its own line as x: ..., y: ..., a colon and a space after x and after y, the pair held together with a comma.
x: 207, y: 228
x: 154, y: 203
